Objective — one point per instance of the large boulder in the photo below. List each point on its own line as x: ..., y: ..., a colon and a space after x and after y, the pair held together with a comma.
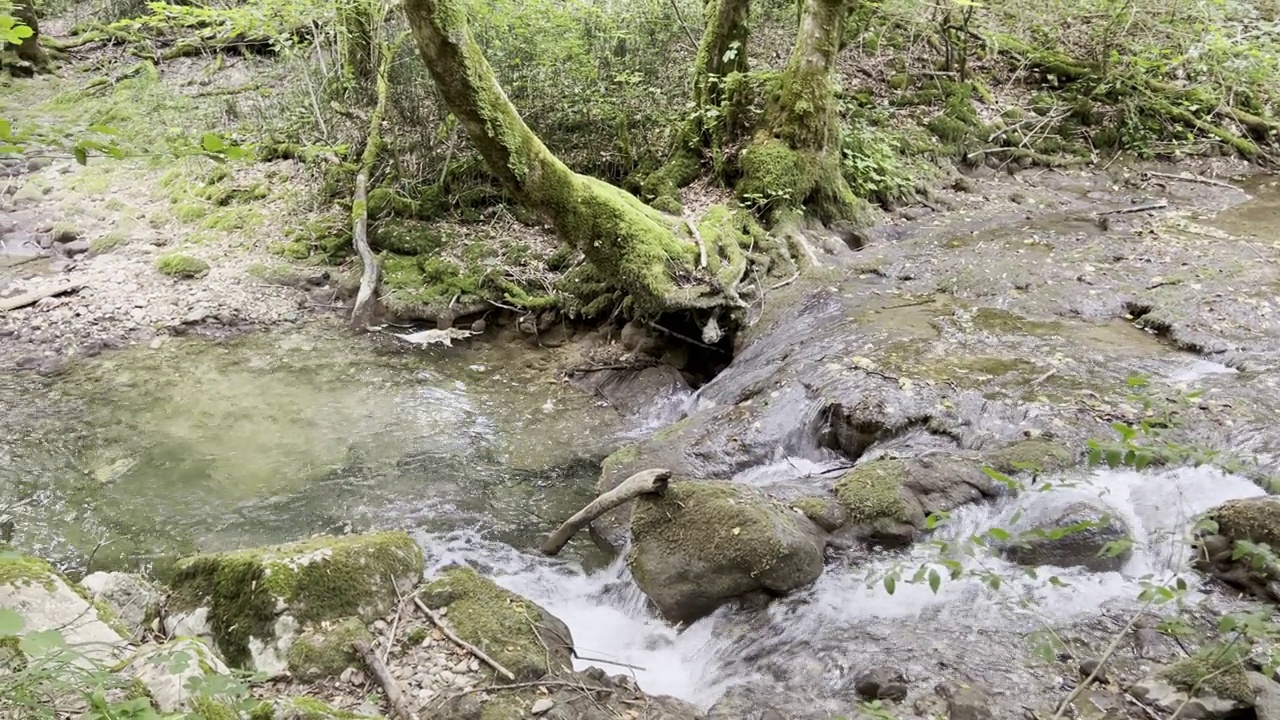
x: 1253, y: 521
x: 45, y: 600
x: 253, y: 604
x: 702, y: 544
x: 518, y: 633
x: 1069, y: 530
x: 889, y: 500
x: 178, y: 675
x: 132, y: 598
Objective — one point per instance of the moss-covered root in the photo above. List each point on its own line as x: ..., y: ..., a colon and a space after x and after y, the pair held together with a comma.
x: 523, y: 637
x: 662, y: 189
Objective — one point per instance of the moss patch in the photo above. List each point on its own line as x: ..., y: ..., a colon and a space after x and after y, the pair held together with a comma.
x: 327, y: 651
x: 16, y: 569
x: 182, y: 266
x: 873, y: 491
x: 826, y: 513
x: 1256, y: 520
x: 303, y: 708
x: 510, y: 628
x: 314, y: 580
x: 1036, y: 455
x: 1213, y: 668
x: 406, y: 237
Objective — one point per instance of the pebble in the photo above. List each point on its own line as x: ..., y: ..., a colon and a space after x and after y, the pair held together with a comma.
x: 542, y: 706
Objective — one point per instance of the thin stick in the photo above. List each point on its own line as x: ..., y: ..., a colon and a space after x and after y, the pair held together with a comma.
x: 645, y: 482
x: 1102, y: 661
x: 786, y: 282
x: 1191, y: 178
x: 1157, y: 205
x: 439, y: 622
x: 680, y: 17
x: 1045, y: 376
x: 702, y: 247
x: 379, y: 672
x: 629, y: 666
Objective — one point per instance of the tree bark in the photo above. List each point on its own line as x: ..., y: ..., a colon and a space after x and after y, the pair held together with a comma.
x: 633, y: 246
x: 723, y: 50
x: 30, y: 50
x: 793, y: 163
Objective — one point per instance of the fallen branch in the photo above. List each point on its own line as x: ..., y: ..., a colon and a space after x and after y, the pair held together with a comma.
x: 366, y: 298
x: 35, y: 296
x: 1189, y: 178
x: 480, y: 654
x: 629, y: 666
x: 379, y: 672
x: 702, y: 246
x: 645, y: 482
x: 1148, y: 207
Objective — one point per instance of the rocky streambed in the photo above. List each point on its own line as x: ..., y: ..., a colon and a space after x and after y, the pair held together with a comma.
x: 844, y: 451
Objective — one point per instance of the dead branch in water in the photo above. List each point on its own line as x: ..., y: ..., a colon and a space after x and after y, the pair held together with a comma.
x: 645, y: 482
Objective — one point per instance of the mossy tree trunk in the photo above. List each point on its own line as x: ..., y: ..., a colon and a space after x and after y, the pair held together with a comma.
x: 633, y: 246
x: 30, y: 51
x: 722, y: 52
x: 792, y: 166
x: 357, y: 25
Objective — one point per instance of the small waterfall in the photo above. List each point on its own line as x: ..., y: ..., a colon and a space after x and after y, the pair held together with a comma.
x: 813, y: 642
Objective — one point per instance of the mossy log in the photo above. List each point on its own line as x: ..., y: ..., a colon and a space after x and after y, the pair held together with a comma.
x: 792, y: 166
x: 644, y: 252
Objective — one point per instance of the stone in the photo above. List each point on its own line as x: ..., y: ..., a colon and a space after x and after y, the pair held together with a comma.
x: 45, y: 600
x: 542, y: 706
x: 1088, y: 667
x: 826, y: 513
x: 75, y: 247
x: 325, y: 650
x: 518, y: 633
x: 253, y: 604
x: 168, y: 671
x: 131, y: 597
x: 1222, y: 687
x: 702, y: 544
x: 1104, y: 544
x: 881, y: 683
x: 965, y: 701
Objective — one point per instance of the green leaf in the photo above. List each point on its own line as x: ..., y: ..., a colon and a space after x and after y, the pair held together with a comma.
x: 212, y: 143
x: 10, y: 623
x: 998, y: 534
x: 42, y: 643
x: 890, y: 584
x: 1113, y: 458
x: 82, y: 155
x: 935, y: 581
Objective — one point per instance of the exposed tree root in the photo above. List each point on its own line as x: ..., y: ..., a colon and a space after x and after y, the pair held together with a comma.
x: 646, y: 482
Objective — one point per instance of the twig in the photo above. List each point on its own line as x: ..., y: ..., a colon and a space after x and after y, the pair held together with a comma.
x: 786, y: 282
x: 1102, y: 661
x: 645, y: 482
x: 685, y: 338
x: 379, y: 671
x: 1045, y: 376
x: 439, y: 622
x: 629, y: 666
x: 702, y: 246
x: 1148, y: 207
x: 1190, y: 178
x: 915, y: 303
x: 680, y: 18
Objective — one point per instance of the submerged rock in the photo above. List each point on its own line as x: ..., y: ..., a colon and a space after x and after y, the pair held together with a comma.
x: 132, y: 598
x: 253, y: 604
x: 705, y: 543
x: 1066, y: 531
x: 518, y: 633
x: 46, y: 600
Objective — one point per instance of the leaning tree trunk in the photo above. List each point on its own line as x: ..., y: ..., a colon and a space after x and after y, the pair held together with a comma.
x: 633, y: 246
x: 719, y: 99
x: 792, y: 166
x: 29, y: 51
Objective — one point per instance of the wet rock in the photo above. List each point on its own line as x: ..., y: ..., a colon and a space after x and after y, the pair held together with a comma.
x: 826, y: 513
x: 589, y: 695
x: 168, y: 672
x: 131, y: 597
x: 634, y: 391
x: 1035, y: 456
x: 704, y: 543
x: 1222, y: 687
x: 882, y: 683
x: 889, y: 500
x: 638, y: 339
x: 48, y: 601
x: 518, y: 633
x: 253, y: 604
x: 1066, y: 530
x: 1089, y: 667
x: 965, y: 701
x: 1252, y: 520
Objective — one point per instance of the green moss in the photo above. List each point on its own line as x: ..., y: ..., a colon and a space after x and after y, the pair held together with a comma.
x: 182, y: 266
x: 1256, y: 520
x: 208, y: 709
x: 1213, y: 668
x: 233, y: 219
x: 497, y: 621
x: 326, y: 652
x: 727, y: 524
x: 771, y: 171
x: 305, y: 708
x: 406, y: 237
x: 824, y: 512
x: 1036, y: 455
x: 662, y: 188
x: 417, y: 635
x: 900, y: 81
x: 189, y: 212
x: 113, y: 240
x: 317, y: 580
x: 16, y: 568
x: 872, y: 491
x: 507, y: 706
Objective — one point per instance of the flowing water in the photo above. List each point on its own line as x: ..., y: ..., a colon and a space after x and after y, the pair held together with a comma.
x: 151, y: 454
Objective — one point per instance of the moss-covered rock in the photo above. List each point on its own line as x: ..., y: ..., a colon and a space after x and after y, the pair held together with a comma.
x: 1255, y: 520
x: 827, y: 513
x: 1034, y: 456
x: 183, y: 266
x: 406, y: 237
x: 326, y: 650
x: 877, y: 501
x: 48, y: 601
x: 304, y: 708
x: 702, y: 544
x: 518, y: 633
x: 254, y: 603
x: 1065, y: 530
